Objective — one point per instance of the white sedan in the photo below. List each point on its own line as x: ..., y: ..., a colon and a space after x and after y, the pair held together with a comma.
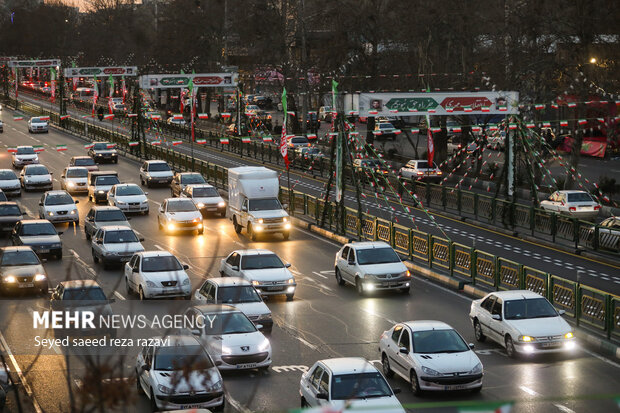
x: 74, y: 179
x: 179, y: 214
x: 36, y: 177
x: 430, y: 355
x: 9, y: 183
x: 523, y: 322
x: 176, y: 373
x: 206, y: 197
x: 37, y: 124
x: 263, y: 268
x: 576, y: 204
x: 129, y: 198
x: 58, y: 206
x: 157, y: 274
x: 350, y: 383
x: 230, y: 337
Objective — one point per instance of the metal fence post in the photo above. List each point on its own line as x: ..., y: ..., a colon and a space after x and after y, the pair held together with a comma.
x: 554, y: 223
x: 595, y: 240
x: 431, y: 242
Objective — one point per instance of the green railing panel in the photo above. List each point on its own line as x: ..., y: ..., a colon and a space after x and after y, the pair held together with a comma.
x: 592, y: 307
x: 468, y: 202
x: 536, y: 280
x: 486, y: 268
x: 565, y: 228
x: 440, y: 252
x: 563, y: 295
x: 383, y: 231
x: 485, y: 209
x: 463, y: 256
x: 522, y: 217
x: 615, y: 314
x: 368, y: 227
x: 437, y: 196
x: 420, y: 245
x: 452, y: 199
x: 543, y: 222
x: 352, y: 222
x: 510, y: 274
x: 402, y: 239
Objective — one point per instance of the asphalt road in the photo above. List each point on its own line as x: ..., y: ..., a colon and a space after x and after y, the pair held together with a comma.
x: 323, y: 321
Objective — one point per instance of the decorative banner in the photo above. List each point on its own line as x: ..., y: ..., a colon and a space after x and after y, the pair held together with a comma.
x: 224, y: 141
x: 35, y: 63
x: 45, y: 118
x: 203, y: 116
x: 18, y: 118
x: 590, y: 147
x: 89, y: 145
x: 267, y: 139
x: 175, y: 143
x: 108, y: 116
x: 171, y: 81
x: 63, y: 117
x: 201, y: 141
x: 111, y: 145
x: 72, y: 72
x: 155, y: 117
x: 245, y: 139
x: 439, y: 103
x: 156, y: 143
x: 132, y: 115
x: 134, y: 143
x: 38, y: 148
x: 225, y: 115
x: 60, y: 148
x: 12, y: 149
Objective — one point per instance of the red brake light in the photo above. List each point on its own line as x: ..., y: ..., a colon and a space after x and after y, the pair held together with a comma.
x: 572, y: 209
x: 597, y: 207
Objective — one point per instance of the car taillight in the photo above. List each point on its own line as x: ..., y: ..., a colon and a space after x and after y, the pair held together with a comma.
x: 572, y: 209
x: 597, y: 207
x: 420, y: 173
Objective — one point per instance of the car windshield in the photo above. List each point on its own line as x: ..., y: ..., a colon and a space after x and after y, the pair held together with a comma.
x: 192, y: 179
x: 7, y: 175
x: 438, y: 341
x: 158, y: 167
x: 84, y: 293
x: 84, y: 162
x: 14, y: 258
x: 181, y: 206
x: 37, y: 170
x: 182, y: 357
x: 268, y: 204
x: 129, y: 190
x: 205, y: 192
x: 370, y: 256
x: 580, y: 197
x: 112, y: 215
x: 313, y: 151
x: 299, y: 140
x: 39, y: 228
x: 528, y: 308
x: 107, y: 180
x: 237, y: 294
x: 229, y: 323
x: 422, y: 164
x: 37, y: 120
x: 262, y: 261
x: 160, y: 264
x: 59, y: 199
x: 386, y: 125
x: 77, y: 173
x: 119, y: 237
x: 359, y: 386
x: 9, y: 210
x: 25, y: 150
x: 101, y: 146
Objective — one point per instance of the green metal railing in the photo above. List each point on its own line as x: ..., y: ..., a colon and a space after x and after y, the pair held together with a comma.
x: 597, y: 309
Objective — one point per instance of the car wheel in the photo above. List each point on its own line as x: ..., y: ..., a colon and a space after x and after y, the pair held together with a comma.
x: 95, y: 258
x: 303, y: 402
x: 286, y: 235
x: 141, y: 294
x: 146, y: 212
x: 415, y: 384
x: 387, y: 371
x: 238, y: 227
x: 510, y: 347
x: 223, y: 214
x: 58, y: 256
x: 154, y: 407
x: 339, y: 279
x: 289, y: 297
x: 116, y: 161
x: 201, y: 231
x: 478, y: 332
x: 359, y: 287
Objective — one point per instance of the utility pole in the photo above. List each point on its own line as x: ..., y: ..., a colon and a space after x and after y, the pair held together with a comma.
x: 137, y: 127
x: 302, y: 60
x: 62, y: 104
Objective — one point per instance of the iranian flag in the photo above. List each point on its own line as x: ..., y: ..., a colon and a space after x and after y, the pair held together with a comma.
x: 201, y: 141
x: 487, y: 408
x: 582, y: 121
x: 429, y: 141
x: 267, y: 139
x: 38, y: 148
x: 177, y: 117
x: 476, y: 129
x: 95, y: 96
x: 18, y: 118
x: 110, y: 103
x: 283, y: 141
x: 246, y: 139
x: 376, y: 132
x: 539, y: 106
x: 415, y: 110
x: 156, y: 116
x: 617, y: 102
x: 530, y: 125
x: 602, y: 120
x: 353, y: 113
x: 555, y: 105
x: 415, y: 130
x: 486, y: 109
x: 156, y: 143
x: 432, y: 110
x: 89, y: 145
x: 572, y: 104
x: 134, y: 143
x: 203, y: 116
x: 175, y: 143
x: 63, y: 117
x: 12, y: 149
x: 393, y: 110
x: 456, y: 129
x: 563, y: 123
x: 503, y: 108
x: 132, y: 115
x: 111, y: 145
x: 546, y: 124
x: 512, y: 126
x: 449, y: 109
x: 224, y: 141
x: 109, y: 116
x: 61, y: 148
x: 493, y: 128
x: 467, y: 108
x: 311, y: 136
x: 354, y: 134
x: 373, y: 112
x: 46, y: 118
x: 225, y: 115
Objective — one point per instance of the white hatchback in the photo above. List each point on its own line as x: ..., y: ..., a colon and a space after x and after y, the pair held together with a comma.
x: 430, y: 355
x: 59, y: 206
x: 576, y: 204
x: 157, y: 274
x: 155, y: 172
x: 24, y: 155
x: 128, y: 198
x: 74, y: 179
x: 206, y: 197
x: 36, y: 177
x: 179, y: 214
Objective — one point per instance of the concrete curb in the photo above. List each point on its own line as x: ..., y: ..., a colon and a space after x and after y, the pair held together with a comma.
x: 595, y: 343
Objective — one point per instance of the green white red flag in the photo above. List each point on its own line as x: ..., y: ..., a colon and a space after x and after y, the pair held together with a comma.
x: 89, y: 145
x: 61, y: 148
x: 175, y: 143
x: 134, y: 143
x: 224, y: 141
x: 201, y: 141
x: 283, y: 141
x: 111, y: 145
x: 38, y: 148
x: 246, y: 139
x: 156, y: 143
x: 563, y: 123
x: 12, y: 149
x: 203, y: 116
x: 18, y: 118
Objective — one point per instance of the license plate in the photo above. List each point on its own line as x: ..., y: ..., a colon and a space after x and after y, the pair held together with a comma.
x: 44, y: 251
x: 246, y: 366
x: 191, y: 406
x: 550, y: 344
x: 211, y: 209
x: 455, y: 387
x: 394, y: 284
x: 273, y: 288
x: 26, y: 285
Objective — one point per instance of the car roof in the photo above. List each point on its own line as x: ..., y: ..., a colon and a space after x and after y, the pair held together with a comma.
x: 572, y: 191
x: 368, y: 245
x: 115, y: 228
x: 424, y: 325
x: 228, y: 281
x: 77, y: 167
x: 17, y: 248
x: 24, y: 146
x: 216, y: 308
x: 97, y: 208
x: 178, y: 200
x: 256, y: 251
x: 79, y: 284
x: 200, y: 186
x: 158, y: 253
x: 81, y: 157
x: 348, y: 365
x: 517, y: 294
x: 188, y: 173
x: 128, y: 184
x: 34, y: 166
x: 56, y: 192
x: 156, y: 161
x: 8, y: 202
x: 34, y: 221
x: 175, y: 341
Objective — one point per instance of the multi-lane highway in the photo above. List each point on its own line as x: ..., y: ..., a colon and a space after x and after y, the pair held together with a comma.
x: 323, y: 321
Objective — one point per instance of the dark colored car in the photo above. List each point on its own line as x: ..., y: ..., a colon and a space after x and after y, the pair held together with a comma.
x: 103, y: 152
x: 38, y: 234
x: 10, y: 214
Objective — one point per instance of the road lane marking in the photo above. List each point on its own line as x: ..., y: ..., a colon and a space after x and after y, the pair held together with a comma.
x: 119, y: 295
x: 83, y: 263
x: 159, y: 247
x: 529, y: 391
x: 563, y: 409
x: 21, y: 376
x: 319, y: 274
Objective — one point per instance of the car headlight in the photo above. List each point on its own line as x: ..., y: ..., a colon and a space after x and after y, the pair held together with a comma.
x: 221, y: 204
x: 264, y: 346
x: 266, y: 316
x: 226, y: 350
x: 285, y: 219
x: 40, y: 277
x: 569, y: 335
x: 28, y: 181
x: 57, y: 245
x: 186, y: 281
x: 254, y: 282
x: 216, y: 387
x: 118, y: 201
x: 164, y: 389
x: 477, y: 369
x: 526, y: 339
x: 260, y: 221
x: 70, y: 184
x: 150, y: 284
x: 101, y: 192
x: 405, y: 274
x: 73, y: 212
x: 170, y: 226
x: 200, y: 205
x: 10, y: 279
x: 287, y: 225
x: 195, y: 220
x: 291, y: 281
x: 51, y: 214
x: 430, y: 372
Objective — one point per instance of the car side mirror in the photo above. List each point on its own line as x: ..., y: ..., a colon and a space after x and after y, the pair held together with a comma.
x: 561, y: 312
x: 141, y: 239
x: 161, y: 209
x: 185, y: 267
x: 287, y: 265
x: 472, y: 345
x: 77, y: 201
x: 90, y: 219
x: 40, y: 203
x: 99, y: 242
x: 496, y: 317
x: 244, y: 208
x: 195, y: 331
x: 396, y: 390
x: 284, y: 206
x: 322, y: 396
x: 146, y: 193
x: 134, y: 269
x: 146, y: 367
x: 61, y: 232
x: 235, y: 268
x: 259, y: 326
x: 403, y: 350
